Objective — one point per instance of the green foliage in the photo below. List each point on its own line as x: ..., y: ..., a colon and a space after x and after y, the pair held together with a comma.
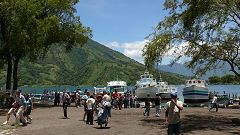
x: 92, y: 64
x: 209, y: 27
x: 214, y: 80
x: 227, y: 79
x: 28, y: 28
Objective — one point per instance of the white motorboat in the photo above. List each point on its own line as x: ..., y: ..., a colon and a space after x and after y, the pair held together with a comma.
x: 146, y: 86
x: 195, y: 91
x: 165, y: 90
x: 120, y: 86
x: 100, y: 90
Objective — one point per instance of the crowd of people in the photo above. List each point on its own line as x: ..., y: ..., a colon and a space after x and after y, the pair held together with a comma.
x: 92, y: 103
x: 99, y: 104
x: 127, y: 100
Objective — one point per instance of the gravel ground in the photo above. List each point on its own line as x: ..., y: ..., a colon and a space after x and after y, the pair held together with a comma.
x: 130, y: 121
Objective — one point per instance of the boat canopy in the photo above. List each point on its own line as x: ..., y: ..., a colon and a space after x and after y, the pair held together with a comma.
x: 147, y: 75
x: 120, y: 86
x: 196, y: 82
x: 117, y: 83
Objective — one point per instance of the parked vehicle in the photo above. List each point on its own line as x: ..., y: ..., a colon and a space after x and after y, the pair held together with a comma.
x: 36, y: 97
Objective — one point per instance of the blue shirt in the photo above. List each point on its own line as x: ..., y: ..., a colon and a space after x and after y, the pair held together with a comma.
x: 28, y: 102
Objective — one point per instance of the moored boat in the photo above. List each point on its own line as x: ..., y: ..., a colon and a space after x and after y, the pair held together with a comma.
x: 165, y: 90
x: 99, y: 90
x: 119, y: 86
x: 146, y: 86
x: 195, y: 91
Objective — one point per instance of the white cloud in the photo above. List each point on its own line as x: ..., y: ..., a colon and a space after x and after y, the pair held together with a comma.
x: 177, y: 50
x: 134, y: 50
x: 113, y: 45
x: 131, y: 49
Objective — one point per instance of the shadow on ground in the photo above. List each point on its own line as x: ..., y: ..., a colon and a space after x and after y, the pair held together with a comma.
x: 200, y: 122
x: 153, y: 122
x: 3, y: 112
x: 194, y: 122
x: 102, y: 127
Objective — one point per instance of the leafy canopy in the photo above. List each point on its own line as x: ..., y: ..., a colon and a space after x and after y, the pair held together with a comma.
x: 29, y: 27
x: 209, y: 27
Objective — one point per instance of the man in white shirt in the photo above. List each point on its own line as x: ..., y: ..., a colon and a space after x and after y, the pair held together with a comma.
x: 214, y: 103
x: 78, y: 99
x: 90, y: 103
x: 65, y: 101
x: 172, y: 115
x: 106, y: 102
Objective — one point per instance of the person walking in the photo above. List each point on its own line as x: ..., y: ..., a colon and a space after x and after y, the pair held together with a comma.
x: 157, y: 101
x: 78, y: 99
x: 86, y: 97
x: 172, y: 115
x: 90, y: 103
x: 214, y: 103
x: 12, y: 110
x: 29, y: 108
x: 115, y: 98
x: 147, y: 106
x: 106, y: 103
x: 65, y: 101
x: 120, y: 101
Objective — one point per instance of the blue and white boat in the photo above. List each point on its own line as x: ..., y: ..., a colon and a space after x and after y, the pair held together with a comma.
x: 195, y: 91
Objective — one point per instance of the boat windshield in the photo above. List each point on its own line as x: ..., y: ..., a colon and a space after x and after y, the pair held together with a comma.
x: 118, y: 88
x: 100, y: 90
x: 145, y: 80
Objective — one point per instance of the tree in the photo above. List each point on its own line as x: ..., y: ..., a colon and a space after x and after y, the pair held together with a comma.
x: 210, y: 28
x: 228, y: 79
x: 29, y: 27
x: 214, y: 80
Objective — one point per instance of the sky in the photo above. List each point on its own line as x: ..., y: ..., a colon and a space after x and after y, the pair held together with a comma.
x: 122, y: 25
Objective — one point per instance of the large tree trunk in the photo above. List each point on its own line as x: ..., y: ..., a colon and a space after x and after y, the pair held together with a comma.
x: 9, y: 73
x: 15, y: 74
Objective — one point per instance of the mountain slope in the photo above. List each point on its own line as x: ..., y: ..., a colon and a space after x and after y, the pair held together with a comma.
x: 93, y: 64
x: 181, y: 69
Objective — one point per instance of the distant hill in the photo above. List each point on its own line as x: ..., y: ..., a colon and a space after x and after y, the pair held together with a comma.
x: 183, y: 70
x: 93, y: 64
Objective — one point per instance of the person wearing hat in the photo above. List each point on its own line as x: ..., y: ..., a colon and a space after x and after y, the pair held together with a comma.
x: 172, y: 114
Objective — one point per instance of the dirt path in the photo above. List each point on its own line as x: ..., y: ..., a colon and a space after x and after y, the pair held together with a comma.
x: 197, y: 121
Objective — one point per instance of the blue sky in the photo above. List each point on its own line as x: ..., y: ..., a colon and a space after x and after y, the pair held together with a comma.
x: 122, y: 25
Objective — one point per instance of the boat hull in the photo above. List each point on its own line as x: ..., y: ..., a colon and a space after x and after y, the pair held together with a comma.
x: 195, y: 94
x: 142, y: 93
x: 165, y: 96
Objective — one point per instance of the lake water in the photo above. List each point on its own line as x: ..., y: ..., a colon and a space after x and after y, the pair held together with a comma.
x: 229, y: 89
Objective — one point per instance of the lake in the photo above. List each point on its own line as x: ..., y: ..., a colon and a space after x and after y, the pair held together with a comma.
x: 229, y: 89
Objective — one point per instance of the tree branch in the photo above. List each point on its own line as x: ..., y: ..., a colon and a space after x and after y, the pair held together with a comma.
x: 235, y: 20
